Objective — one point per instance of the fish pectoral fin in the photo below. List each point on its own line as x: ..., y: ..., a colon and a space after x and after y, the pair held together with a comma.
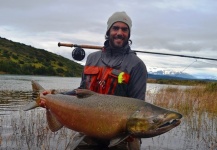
x: 119, y: 139
x: 53, y: 124
x: 30, y: 105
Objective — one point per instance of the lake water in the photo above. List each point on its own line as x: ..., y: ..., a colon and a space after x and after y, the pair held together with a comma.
x: 23, y: 83
x: 27, y: 130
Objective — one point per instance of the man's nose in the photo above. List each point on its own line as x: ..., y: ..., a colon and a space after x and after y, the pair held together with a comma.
x: 119, y: 32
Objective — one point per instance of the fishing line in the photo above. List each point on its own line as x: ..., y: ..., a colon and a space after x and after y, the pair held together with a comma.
x: 188, y: 66
x: 177, y: 74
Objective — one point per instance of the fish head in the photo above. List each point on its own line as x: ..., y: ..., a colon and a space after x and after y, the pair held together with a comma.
x: 150, y: 121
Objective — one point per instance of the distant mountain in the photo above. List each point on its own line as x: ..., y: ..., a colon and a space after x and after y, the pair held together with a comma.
x: 18, y: 58
x: 170, y: 74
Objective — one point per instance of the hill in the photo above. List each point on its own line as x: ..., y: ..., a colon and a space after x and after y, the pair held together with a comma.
x: 18, y: 58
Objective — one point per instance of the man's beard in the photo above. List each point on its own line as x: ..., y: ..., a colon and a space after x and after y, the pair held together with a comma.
x: 114, y: 45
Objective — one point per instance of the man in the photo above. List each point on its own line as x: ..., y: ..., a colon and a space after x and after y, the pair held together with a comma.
x: 116, y: 69
x: 116, y: 60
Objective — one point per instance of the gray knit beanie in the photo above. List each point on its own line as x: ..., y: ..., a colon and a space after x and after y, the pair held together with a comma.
x: 119, y: 16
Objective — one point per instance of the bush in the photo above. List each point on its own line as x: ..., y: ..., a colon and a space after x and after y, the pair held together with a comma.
x: 9, y: 67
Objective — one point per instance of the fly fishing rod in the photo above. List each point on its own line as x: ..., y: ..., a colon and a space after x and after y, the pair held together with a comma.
x: 78, y: 53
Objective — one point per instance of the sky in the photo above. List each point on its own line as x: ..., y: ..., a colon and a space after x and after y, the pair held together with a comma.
x: 182, y: 27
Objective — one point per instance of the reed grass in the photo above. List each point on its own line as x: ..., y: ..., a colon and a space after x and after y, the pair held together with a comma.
x: 28, y: 130
x: 198, y: 105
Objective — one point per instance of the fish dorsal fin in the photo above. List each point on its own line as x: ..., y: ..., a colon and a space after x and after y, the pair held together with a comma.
x: 53, y: 124
x: 83, y: 93
x: 118, y: 139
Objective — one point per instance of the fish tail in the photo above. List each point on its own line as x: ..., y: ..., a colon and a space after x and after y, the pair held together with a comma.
x: 37, y: 89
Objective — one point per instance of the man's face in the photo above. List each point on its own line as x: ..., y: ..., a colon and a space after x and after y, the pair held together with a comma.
x: 119, y: 35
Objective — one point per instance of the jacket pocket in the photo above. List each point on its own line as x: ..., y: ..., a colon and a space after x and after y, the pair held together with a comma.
x: 91, y: 77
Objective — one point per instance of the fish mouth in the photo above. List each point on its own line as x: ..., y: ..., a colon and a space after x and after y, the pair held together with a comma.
x: 159, y: 130
x: 164, y: 128
x: 172, y: 123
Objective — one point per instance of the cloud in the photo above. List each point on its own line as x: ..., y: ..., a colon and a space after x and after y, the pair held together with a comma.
x: 181, y: 27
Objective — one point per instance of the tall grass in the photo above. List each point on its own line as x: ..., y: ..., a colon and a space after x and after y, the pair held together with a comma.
x: 198, y: 105
x: 28, y: 130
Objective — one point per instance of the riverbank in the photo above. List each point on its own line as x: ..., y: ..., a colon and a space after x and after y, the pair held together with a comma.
x: 181, y: 82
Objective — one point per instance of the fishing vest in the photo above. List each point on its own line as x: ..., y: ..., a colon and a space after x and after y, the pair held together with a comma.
x: 106, y: 80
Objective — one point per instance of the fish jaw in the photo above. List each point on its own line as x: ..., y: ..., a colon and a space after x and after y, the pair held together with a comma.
x: 145, y: 124
x: 155, y: 132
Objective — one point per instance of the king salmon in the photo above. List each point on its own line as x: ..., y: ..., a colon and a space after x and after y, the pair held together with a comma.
x: 101, y: 116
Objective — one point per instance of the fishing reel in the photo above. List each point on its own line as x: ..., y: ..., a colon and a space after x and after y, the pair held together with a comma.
x: 78, y: 54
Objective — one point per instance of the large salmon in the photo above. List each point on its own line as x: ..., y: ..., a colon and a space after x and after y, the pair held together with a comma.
x: 104, y: 116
